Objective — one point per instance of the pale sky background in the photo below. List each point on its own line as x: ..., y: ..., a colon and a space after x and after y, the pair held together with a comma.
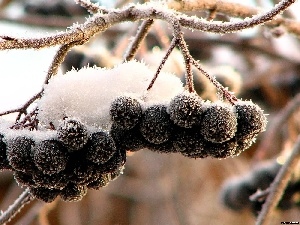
x: 22, y: 72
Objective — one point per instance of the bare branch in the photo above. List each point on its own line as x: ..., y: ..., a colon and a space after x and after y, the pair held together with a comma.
x: 136, y: 42
x: 101, y: 22
x: 91, y: 7
x: 279, y: 185
x: 19, y: 203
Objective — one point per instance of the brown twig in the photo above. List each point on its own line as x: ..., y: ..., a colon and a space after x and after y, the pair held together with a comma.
x: 279, y: 184
x: 13, y: 209
x: 163, y: 61
x: 91, y: 7
x: 101, y: 22
x: 136, y: 42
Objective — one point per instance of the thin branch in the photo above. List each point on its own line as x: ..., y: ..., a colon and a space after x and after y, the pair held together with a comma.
x: 163, y: 61
x: 279, y: 185
x: 186, y: 55
x: 228, y: 95
x: 136, y: 42
x: 13, y: 209
x: 91, y: 7
x: 101, y: 22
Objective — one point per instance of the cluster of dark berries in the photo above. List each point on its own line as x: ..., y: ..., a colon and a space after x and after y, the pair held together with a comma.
x: 66, y: 165
x: 188, y: 125
x: 244, y: 192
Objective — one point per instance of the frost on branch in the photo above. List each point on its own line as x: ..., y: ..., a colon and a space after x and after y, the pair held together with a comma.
x: 87, y: 94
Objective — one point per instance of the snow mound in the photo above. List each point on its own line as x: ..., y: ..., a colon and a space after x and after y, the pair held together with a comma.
x: 87, y: 94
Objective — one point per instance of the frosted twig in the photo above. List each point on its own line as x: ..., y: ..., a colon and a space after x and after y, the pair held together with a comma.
x: 136, y: 42
x: 91, y: 7
x: 279, y: 185
x: 13, y: 209
x: 229, y: 96
x: 163, y: 61
x: 101, y: 22
x: 186, y: 55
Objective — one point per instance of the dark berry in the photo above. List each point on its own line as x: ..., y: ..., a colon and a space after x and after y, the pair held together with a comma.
x: 4, y: 164
x: 250, y: 119
x: 73, y: 134
x: 186, y: 110
x: 54, y: 181
x: 235, y: 194
x: 125, y: 111
x: 50, y: 156
x: 20, y: 154
x: 24, y: 179
x: 156, y: 126
x: 219, y: 123
x: 166, y: 147
x: 243, y: 144
x: 44, y: 194
x: 73, y: 192
x: 101, y: 147
x: 264, y: 174
x: 102, y: 181
x: 221, y: 150
x: 131, y: 140
x: 190, y: 142
x: 114, y: 163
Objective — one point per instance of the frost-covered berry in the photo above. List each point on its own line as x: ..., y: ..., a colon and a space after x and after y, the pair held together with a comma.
x: 156, y: 126
x: 54, y: 181
x: 20, y: 154
x: 125, y: 111
x: 131, y: 140
x: 190, y: 142
x: 44, y: 194
x: 4, y: 164
x: 166, y: 147
x: 250, y: 118
x: 102, y: 181
x: 24, y: 179
x: 243, y: 144
x: 73, y: 192
x: 114, y: 163
x: 101, y: 147
x: 219, y: 123
x: 221, y: 150
x: 50, y: 156
x: 73, y: 134
x: 186, y: 109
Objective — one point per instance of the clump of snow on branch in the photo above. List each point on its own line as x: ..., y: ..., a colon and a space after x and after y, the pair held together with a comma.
x: 86, y: 94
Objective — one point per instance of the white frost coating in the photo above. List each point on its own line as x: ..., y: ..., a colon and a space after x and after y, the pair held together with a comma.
x: 87, y: 94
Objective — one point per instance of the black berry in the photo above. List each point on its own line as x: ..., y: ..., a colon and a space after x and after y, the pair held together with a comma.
x: 156, y: 126
x: 73, y: 192
x: 125, y: 111
x: 44, y: 194
x: 73, y: 134
x: 186, y: 110
x: 219, y: 123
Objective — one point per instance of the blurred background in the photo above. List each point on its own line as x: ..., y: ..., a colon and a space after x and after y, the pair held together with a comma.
x: 262, y: 64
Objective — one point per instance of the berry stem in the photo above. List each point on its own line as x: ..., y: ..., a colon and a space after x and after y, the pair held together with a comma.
x: 173, y: 44
x: 228, y: 95
x: 279, y: 185
x: 13, y: 209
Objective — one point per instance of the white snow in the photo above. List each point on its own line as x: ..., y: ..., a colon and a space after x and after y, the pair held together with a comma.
x: 86, y: 94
